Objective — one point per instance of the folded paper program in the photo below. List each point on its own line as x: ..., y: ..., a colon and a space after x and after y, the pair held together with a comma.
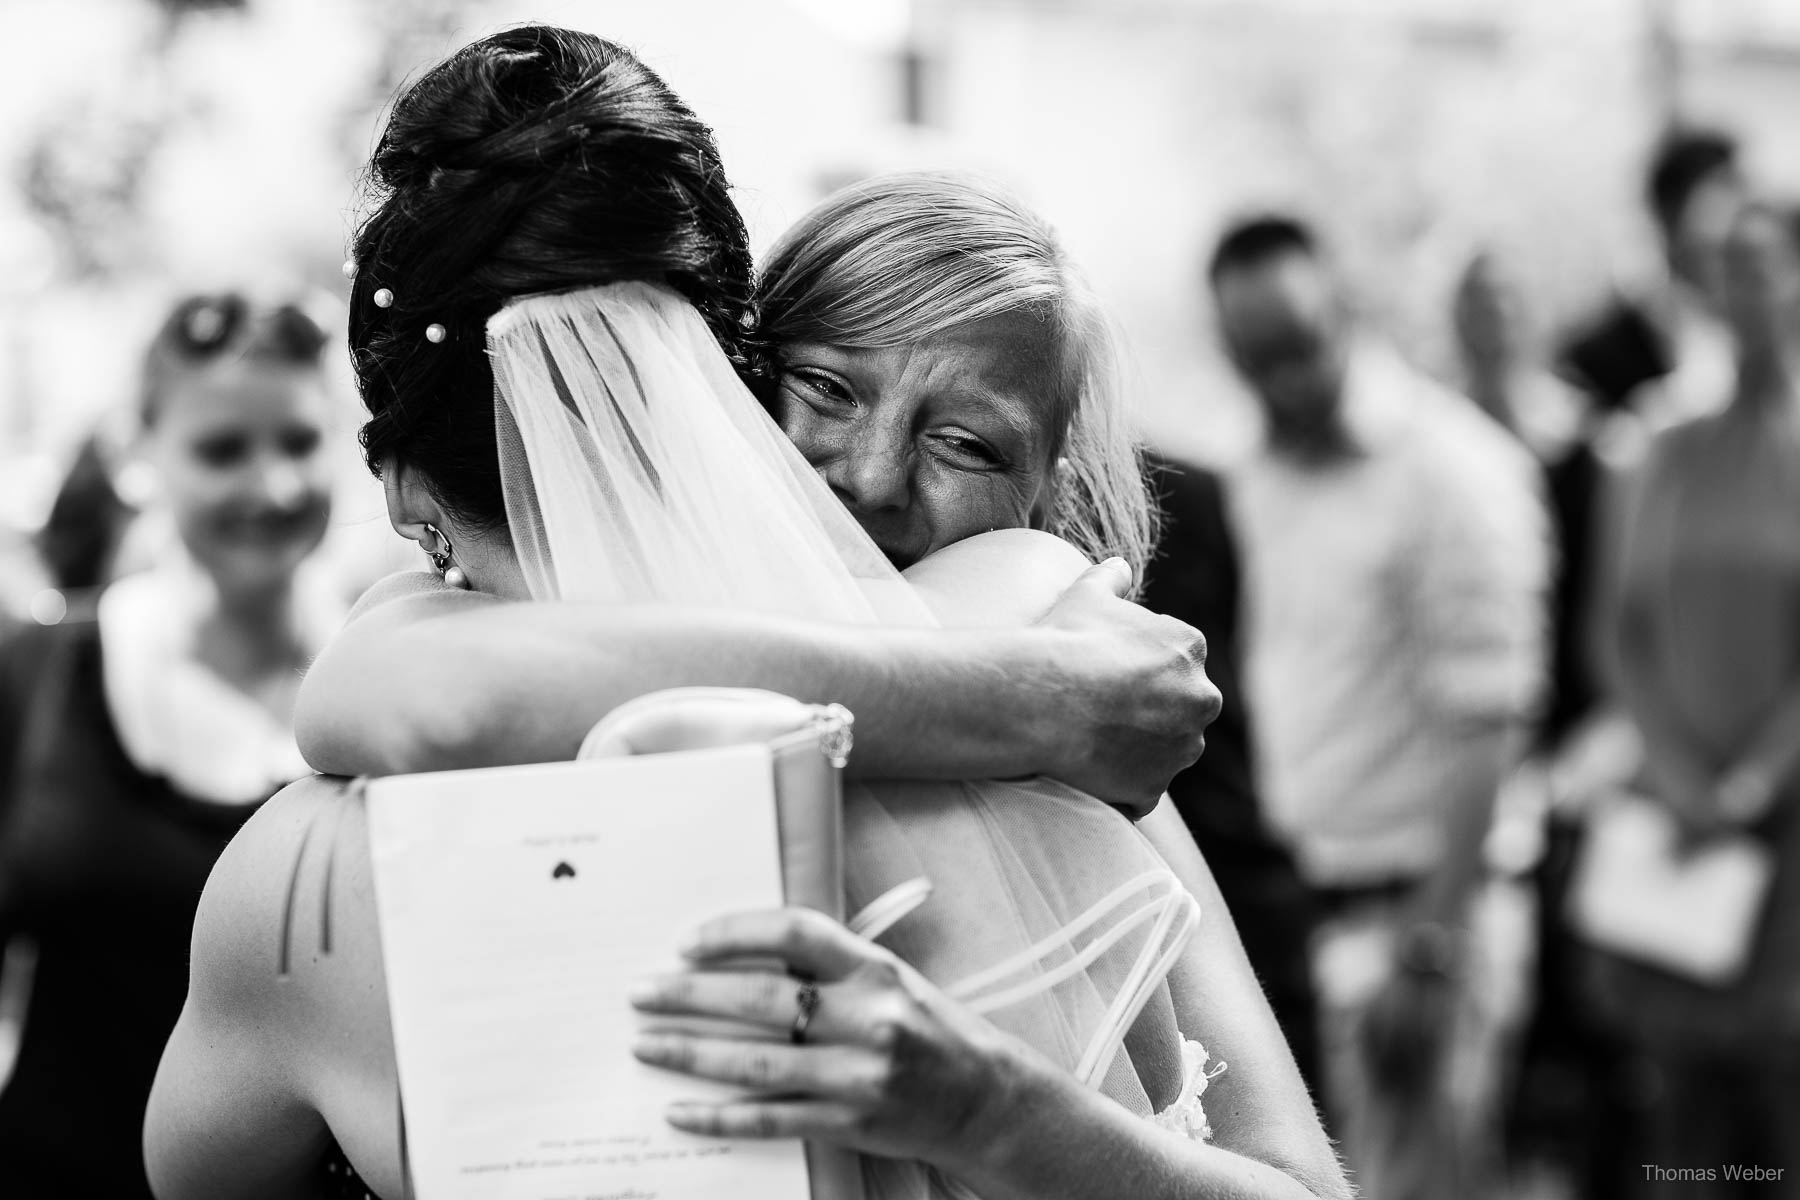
x: 508, y: 985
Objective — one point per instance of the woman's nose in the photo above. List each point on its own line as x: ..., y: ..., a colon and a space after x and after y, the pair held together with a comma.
x: 282, y: 483
x: 871, y: 476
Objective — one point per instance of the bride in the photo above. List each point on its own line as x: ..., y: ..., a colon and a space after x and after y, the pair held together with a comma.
x: 629, y: 464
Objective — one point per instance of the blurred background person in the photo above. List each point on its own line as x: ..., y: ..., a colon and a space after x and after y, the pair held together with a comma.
x: 1663, y: 354
x: 136, y: 738
x: 1699, y: 609
x: 1396, y: 560
x: 1569, y: 1101
x: 1504, y: 367
x: 1505, y: 370
x: 1197, y: 577
x: 87, y: 522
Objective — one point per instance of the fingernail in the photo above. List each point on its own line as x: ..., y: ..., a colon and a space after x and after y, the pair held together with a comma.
x: 689, y: 945
x: 647, y: 1046
x: 642, y: 993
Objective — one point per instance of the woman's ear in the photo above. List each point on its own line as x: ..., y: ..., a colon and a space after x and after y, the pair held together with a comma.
x: 410, y: 503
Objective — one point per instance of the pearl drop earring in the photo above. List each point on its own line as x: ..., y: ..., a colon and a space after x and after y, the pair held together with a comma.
x: 453, y: 575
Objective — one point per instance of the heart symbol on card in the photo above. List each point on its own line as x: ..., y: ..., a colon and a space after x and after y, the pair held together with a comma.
x: 562, y: 870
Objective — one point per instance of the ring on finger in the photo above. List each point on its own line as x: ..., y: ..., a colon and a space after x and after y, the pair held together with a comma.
x: 807, y: 1002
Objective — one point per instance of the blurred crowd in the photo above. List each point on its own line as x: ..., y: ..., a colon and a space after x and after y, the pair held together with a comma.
x: 1503, y: 798
x: 1504, y: 794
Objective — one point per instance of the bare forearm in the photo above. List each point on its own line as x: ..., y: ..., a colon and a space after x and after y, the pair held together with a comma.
x: 1483, y: 752
x: 500, y: 684
x: 1067, y: 1142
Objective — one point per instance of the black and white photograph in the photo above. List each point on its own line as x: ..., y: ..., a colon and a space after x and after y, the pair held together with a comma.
x: 900, y: 600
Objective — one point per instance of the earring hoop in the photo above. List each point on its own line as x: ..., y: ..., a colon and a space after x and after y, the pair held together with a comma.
x: 440, y: 557
x: 452, y: 574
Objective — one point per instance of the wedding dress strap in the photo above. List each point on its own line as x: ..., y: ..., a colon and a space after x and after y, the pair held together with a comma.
x: 888, y: 909
x: 1150, y: 970
x: 1064, y: 937
x: 1044, y: 980
x: 1169, y: 911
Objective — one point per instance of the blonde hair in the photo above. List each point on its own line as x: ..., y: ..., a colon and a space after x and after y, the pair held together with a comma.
x: 903, y: 257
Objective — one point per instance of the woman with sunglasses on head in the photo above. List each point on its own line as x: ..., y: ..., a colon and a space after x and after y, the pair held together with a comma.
x: 135, y: 738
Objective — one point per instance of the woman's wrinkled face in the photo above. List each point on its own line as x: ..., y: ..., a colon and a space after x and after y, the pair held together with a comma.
x: 238, y: 449
x: 929, y: 443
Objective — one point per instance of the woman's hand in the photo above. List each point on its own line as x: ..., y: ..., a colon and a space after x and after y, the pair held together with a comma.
x: 1135, y: 699
x: 886, y: 1064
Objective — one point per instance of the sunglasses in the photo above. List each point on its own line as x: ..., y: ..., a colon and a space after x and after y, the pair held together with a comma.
x: 203, y: 327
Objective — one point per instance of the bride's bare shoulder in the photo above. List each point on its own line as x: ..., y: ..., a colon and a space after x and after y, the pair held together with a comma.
x: 412, y: 588
x: 1006, y: 577
x: 290, y: 882
x: 246, y: 893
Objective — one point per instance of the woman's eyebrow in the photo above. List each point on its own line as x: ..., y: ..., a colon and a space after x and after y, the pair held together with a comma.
x: 1019, y: 415
x: 821, y: 351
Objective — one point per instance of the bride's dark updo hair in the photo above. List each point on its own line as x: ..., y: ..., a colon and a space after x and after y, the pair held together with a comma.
x: 534, y: 160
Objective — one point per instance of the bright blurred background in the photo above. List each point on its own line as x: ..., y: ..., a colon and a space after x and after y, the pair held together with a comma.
x: 149, y: 146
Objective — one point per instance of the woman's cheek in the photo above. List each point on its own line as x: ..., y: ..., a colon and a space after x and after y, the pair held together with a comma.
x: 961, y: 504
x: 801, y: 425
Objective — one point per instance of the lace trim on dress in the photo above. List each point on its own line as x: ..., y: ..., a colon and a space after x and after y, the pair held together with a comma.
x: 1186, y: 1116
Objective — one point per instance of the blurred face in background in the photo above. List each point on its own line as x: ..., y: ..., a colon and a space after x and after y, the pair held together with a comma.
x: 237, y: 444
x: 1760, y: 281
x: 1284, y: 327
x: 928, y: 443
x: 1697, y: 240
x: 1489, y: 317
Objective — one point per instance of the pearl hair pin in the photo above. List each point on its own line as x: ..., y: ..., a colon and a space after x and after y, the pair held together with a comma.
x: 349, y: 268
x: 435, y: 332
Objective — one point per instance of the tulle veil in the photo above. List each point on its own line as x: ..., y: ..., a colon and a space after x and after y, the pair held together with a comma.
x: 638, y: 468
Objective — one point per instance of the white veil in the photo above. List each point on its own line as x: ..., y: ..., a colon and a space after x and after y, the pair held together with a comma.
x: 638, y: 468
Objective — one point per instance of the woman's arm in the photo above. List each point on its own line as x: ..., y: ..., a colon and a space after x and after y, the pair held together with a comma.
x: 1259, y: 1106
x: 903, y: 1071
x: 1099, y: 693
x: 892, y: 1067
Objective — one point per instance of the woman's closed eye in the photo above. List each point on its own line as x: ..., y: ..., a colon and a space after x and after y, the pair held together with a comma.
x: 820, y: 388
x: 964, y: 449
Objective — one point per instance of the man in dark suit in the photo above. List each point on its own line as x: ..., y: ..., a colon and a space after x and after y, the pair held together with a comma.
x: 1195, y: 577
